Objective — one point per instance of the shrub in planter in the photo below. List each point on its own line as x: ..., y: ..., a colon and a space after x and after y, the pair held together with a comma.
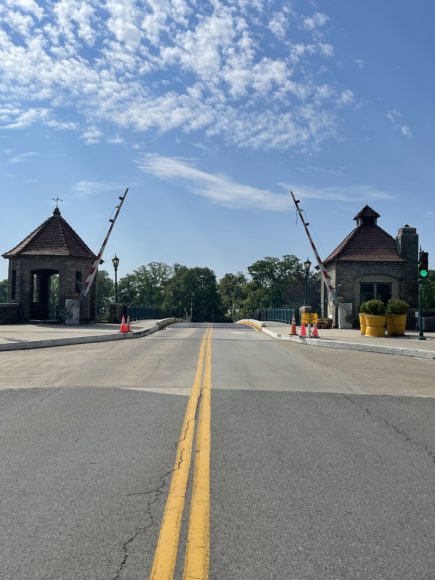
x: 375, y: 318
x: 396, y: 312
x: 396, y: 306
x: 374, y: 307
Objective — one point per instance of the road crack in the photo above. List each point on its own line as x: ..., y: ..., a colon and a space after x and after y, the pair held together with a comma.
x: 403, y: 434
x: 157, y: 492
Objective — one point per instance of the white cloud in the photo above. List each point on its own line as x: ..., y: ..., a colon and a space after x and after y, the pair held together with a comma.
x: 22, y: 157
x: 166, y: 65
x: 278, y: 25
x: 317, y: 20
x: 92, y: 135
x: 223, y: 190
x: 396, y: 119
x: 351, y: 193
x: 220, y: 189
x: 346, y: 98
x: 85, y: 188
x: 27, y: 6
x: 406, y: 131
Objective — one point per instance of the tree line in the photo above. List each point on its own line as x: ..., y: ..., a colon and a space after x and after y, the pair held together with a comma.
x: 179, y: 290
x: 196, y: 292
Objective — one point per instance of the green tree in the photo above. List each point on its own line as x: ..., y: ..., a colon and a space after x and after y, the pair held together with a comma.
x: 4, y: 285
x: 256, y: 299
x: 146, y: 285
x: 127, y: 292
x: 105, y: 289
x: 194, y: 292
x: 233, y: 291
x: 429, y: 290
x: 282, y: 283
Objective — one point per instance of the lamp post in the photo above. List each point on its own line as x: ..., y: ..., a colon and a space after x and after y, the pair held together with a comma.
x: 307, y: 266
x: 115, y: 262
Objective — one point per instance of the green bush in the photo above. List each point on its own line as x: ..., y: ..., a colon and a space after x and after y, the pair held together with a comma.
x: 362, y: 308
x: 375, y: 307
x: 396, y: 306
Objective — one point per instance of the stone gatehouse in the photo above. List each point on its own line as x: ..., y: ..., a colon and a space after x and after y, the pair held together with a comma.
x: 370, y: 263
x: 46, y: 269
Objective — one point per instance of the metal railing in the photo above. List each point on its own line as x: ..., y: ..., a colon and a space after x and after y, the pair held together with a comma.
x: 106, y: 313
x: 276, y: 314
x: 144, y: 312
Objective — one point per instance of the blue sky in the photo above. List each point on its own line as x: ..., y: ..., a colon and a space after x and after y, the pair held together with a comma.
x: 210, y: 111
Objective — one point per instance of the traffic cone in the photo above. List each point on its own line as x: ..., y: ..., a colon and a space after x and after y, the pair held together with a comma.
x: 123, y: 328
x: 128, y: 324
x: 293, y: 329
x: 314, y: 332
x: 303, y: 330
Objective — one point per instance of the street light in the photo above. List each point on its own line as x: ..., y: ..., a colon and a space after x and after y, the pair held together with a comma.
x: 307, y: 266
x: 115, y: 262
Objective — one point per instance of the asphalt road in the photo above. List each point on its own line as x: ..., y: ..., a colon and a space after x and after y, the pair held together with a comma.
x: 322, y: 462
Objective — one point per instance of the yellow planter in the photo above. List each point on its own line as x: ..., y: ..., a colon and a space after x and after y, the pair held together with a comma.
x: 375, y: 325
x: 362, y: 322
x: 396, y: 324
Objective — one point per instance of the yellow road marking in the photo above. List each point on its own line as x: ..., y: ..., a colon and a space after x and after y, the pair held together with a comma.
x: 198, y: 538
x: 165, y: 557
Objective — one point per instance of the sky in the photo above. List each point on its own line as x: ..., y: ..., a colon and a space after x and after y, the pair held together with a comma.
x: 210, y: 112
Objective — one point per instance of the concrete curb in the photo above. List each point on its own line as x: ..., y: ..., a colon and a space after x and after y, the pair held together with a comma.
x: 329, y: 343
x: 30, y: 344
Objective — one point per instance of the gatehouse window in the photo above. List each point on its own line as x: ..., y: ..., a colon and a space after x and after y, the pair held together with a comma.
x: 377, y: 290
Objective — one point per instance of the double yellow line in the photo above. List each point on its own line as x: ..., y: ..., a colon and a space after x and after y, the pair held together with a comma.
x: 196, y: 562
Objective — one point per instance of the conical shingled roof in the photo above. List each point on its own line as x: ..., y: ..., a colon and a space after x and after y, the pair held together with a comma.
x: 54, y: 237
x: 366, y: 211
x: 366, y: 243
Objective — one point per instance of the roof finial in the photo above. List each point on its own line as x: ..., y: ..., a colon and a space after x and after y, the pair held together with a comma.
x: 56, y: 209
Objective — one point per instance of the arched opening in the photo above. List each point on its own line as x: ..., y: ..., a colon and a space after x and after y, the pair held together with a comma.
x: 44, y: 297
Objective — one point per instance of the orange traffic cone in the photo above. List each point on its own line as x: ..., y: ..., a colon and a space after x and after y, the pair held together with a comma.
x: 314, y: 332
x: 293, y: 330
x: 128, y: 324
x: 123, y: 327
x: 303, y: 330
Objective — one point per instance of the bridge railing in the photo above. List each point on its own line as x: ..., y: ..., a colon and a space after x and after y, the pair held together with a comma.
x: 145, y: 312
x: 284, y: 315
x: 113, y: 313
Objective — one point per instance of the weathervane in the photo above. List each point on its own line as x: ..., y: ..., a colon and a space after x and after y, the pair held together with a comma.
x: 57, y: 200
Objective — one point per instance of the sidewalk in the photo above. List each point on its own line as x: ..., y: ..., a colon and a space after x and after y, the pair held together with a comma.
x: 27, y: 336
x: 350, y: 339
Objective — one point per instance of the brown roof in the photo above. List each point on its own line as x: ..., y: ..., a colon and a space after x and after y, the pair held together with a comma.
x: 367, y: 211
x: 366, y: 243
x: 54, y: 237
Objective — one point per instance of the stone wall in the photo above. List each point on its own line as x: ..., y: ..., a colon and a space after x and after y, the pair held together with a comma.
x: 9, y: 313
x: 347, y: 276
x: 407, y: 245
x: 67, y: 267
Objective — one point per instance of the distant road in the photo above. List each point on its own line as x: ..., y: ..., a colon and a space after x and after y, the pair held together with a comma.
x: 305, y: 463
